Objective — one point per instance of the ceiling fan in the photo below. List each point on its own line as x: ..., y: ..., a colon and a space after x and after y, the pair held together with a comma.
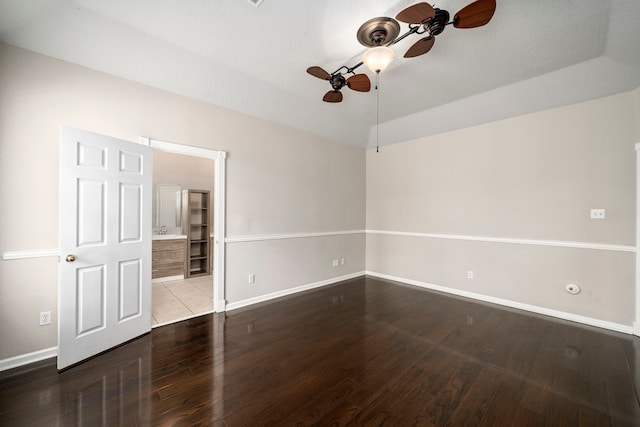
x: 357, y: 82
x: 423, y: 19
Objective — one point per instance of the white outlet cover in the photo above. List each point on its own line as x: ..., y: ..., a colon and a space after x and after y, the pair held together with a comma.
x: 597, y: 214
x: 45, y: 318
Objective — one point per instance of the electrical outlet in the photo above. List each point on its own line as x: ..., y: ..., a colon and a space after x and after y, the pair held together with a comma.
x: 335, y: 262
x: 45, y: 318
x: 342, y: 261
x: 469, y: 274
x: 573, y: 289
x: 252, y: 279
x: 597, y: 214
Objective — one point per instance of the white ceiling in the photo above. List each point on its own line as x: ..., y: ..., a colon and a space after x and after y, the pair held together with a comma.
x: 533, y: 55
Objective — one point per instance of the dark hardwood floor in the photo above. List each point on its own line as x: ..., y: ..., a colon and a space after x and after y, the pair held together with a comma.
x: 364, y: 352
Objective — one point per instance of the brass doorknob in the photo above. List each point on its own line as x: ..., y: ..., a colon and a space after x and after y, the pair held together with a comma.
x: 71, y: 258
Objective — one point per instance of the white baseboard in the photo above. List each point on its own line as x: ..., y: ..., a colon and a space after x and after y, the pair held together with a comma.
x: 627, y: 329
x: 278, y: 294
x: 180, y: 319
x: 25, y: 359
x: 167, y: 279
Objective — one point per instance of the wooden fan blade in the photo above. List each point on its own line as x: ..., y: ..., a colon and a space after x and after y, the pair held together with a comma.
x: 359, y: 83
x: 416, y: 14
x: 475, y: 14
x: 420, y: 47
x: 333, y: 96
x: 318, y: 72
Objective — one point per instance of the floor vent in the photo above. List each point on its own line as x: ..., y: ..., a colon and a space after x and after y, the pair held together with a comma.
x: 256, y: 3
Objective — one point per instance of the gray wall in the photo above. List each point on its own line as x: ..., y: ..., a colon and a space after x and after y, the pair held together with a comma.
x: 279, y: 181
x: 524, y: 180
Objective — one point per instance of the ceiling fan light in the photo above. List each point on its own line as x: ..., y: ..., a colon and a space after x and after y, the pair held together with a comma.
x: 378, y: 58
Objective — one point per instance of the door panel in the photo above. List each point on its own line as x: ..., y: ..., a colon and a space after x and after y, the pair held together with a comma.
x: 129, y: 297
x: 130, y: 213
x: 90, y: 295
x: 105, y: 288
x: 91, y: 212
x: 91, y: 156
x: 130, y: 162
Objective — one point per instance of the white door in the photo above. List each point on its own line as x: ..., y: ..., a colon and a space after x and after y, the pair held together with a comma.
x: 104, y: 290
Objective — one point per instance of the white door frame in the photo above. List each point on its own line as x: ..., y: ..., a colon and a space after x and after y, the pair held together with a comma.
x: 219, y: 209
x: 636, y: 324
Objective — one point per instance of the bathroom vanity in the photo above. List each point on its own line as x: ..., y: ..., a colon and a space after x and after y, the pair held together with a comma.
x: 168, y: 257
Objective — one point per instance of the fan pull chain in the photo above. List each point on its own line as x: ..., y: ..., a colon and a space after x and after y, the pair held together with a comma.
x: 377, y: 113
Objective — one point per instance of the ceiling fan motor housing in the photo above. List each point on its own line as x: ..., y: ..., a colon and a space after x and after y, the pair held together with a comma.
x: 378, y: 37
x: 437, y: 24
x: 379, y: 31
x: 338, y: 81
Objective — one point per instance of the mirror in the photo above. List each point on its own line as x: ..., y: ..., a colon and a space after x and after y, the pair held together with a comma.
x: 167, y: 207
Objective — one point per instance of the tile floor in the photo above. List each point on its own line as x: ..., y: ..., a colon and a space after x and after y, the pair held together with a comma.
x: 181, y: 299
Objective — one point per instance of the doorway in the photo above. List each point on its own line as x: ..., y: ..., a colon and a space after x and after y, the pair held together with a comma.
x: 105, y: 192
x: 181, y: 288
x: 189, y: 290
